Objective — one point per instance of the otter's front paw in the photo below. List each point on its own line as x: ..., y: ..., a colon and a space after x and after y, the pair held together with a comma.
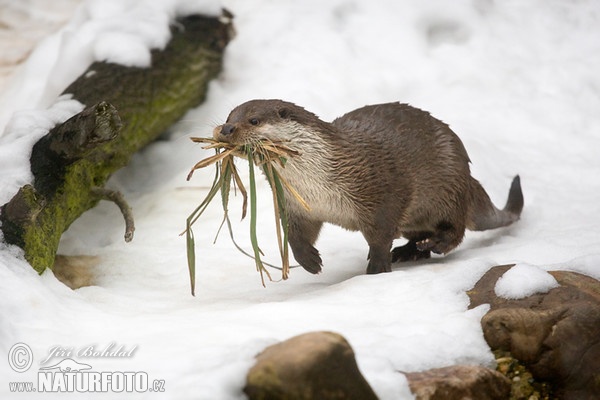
x: 308, y: 257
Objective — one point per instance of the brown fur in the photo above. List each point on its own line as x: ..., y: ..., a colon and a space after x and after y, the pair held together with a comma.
x: 387, y: 170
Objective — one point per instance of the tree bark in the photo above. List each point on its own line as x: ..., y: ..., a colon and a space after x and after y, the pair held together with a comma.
x: 72, y: 163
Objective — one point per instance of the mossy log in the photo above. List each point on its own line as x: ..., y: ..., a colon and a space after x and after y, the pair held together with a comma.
x: 126, y: 108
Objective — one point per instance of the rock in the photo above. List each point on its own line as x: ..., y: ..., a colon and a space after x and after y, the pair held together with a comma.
x: 316, y: 365
x: 555, y: 334
x: 459, y: 382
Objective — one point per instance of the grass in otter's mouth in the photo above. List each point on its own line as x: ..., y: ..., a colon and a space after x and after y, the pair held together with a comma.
x: 262, y: 154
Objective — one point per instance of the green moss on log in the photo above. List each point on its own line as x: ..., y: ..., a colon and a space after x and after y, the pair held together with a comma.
x: 148, y: 100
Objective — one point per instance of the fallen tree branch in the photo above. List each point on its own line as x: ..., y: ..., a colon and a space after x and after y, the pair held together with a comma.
x: 119, y: 200
x: 72, y: 163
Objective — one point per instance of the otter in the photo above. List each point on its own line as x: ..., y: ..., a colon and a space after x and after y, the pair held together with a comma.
x: 387, y: 170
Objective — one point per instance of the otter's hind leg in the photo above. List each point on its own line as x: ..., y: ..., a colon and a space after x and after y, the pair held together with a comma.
x: 302, y: 234
x: 409, y: 251
x: 445, y: 238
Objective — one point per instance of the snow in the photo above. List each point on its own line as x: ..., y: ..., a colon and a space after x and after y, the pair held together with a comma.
x: 116, y: 31
x: 26, y: 127
x: 523, y: 280
x: 516, y: 80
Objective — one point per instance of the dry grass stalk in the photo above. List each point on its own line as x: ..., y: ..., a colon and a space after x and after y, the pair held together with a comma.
x: 260, y: 153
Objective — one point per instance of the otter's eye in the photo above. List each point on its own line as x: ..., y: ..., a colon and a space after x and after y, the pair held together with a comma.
x: 254, y: 121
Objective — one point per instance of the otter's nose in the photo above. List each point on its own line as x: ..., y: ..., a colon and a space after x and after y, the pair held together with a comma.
x: 227, y: 129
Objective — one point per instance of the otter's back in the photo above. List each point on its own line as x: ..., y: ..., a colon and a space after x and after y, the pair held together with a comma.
x: 418, y: 159
x: 401, y: 124
x: 410, y: 133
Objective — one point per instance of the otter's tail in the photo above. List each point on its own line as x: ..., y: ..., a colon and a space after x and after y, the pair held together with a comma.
x: 484, y: 215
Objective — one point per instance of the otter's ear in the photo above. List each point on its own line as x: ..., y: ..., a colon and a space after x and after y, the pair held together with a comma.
x: 283, y: 112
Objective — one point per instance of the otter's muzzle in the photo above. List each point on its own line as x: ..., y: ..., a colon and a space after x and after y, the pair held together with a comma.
x: 227, y: 129
x: 223, y: 132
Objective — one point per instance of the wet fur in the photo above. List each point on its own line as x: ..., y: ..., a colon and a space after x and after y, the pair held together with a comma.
x: 387, y: 170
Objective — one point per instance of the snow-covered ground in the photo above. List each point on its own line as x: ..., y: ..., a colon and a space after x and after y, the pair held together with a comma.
x: 517, y: 80
x: 23, y: 24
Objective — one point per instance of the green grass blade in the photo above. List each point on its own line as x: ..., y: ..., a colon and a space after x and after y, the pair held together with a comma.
x: 191, y: 258
x: 226, y: 172
x: 242, y: 189
x: 244, y: 252
x: 226, y: 179
x: 192, y: 218
x: 216, y: 185
x: 282, y: 214
x: 253, y: 237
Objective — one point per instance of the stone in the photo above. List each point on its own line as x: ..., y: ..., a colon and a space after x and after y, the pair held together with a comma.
x: 315, y: 365
x: 459, y: 382
x: 556, y: 335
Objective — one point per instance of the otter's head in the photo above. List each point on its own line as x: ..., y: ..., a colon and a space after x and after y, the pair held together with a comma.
x: 275, y: 120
